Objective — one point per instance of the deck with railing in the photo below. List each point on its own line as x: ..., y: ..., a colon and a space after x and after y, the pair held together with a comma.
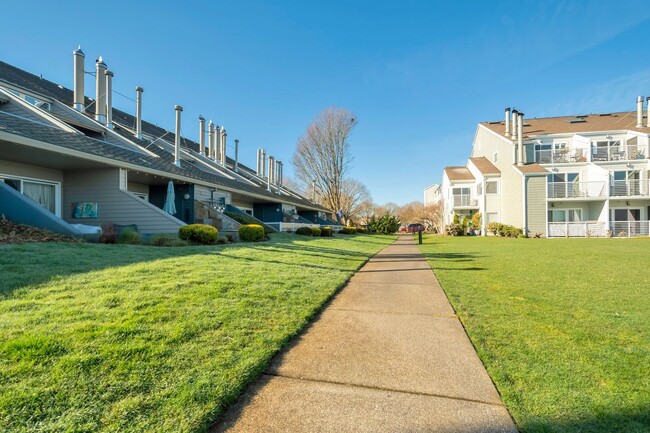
x: 593, y: 189
x: 621, y: 229
x: 629, y: 188
x: 465, y: 201
x: 565, y: 155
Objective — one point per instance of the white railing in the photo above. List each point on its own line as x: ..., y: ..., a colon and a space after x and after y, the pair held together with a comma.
x: 592, y: 189
x: 629, y: 229
x: 289, y: 227
x: 621, y: 152
x: 465, y: 201
x: 629, y: 188
x: 560, y: 156
x: 577, y: 229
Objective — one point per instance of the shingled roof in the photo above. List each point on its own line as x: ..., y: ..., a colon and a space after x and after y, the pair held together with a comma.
x: 458, y: 173
x: 164, y: 161
x: 484, y: 165
x: 576, y: 124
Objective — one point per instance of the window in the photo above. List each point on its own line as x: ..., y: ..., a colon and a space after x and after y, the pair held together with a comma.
x: 491, y: 187
x: 34, y: 101
x: 562, y: 185
x: 43, y: 193
x: 542, y: 153
x: 143, y: 196
x: 495, y: 157
x: 565, y: 215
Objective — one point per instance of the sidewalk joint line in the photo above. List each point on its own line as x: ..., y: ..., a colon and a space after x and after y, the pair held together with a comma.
x: 380, y: 388
x: 401, y: 313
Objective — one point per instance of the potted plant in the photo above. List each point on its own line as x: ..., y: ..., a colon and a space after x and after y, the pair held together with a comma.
x: 475, y: 224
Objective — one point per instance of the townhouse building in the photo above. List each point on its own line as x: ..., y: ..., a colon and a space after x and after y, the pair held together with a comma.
x: 69, y: 162
x: 568, y: 176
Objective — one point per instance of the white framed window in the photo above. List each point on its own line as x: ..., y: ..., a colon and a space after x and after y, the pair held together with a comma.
x: 564, y: 215
x: 45, y: 193
x: 491, y: 187
x: 495, y: 157
x: 491, y: 217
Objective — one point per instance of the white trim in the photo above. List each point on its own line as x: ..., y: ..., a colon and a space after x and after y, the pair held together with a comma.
x: 57, y: 188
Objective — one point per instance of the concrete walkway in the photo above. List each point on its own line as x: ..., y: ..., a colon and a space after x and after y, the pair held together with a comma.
x: 387, y: 355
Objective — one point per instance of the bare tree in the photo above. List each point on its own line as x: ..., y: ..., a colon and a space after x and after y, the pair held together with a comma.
x: 432, y: 216
x: 411, y: 213
x: 322, y: 157
x: 354, y: 197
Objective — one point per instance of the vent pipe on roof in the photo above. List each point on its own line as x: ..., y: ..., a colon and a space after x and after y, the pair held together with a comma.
x: 109, y: 99
x: 236, y: 155
x: 520, y: 137
x: 513, y: 126
x: 648, y: 112
x: 138, y: 112
x: 222, y: 152
x: 259, y: 161
x: 269, y: 180
x: 217, y: 143
x: 201, y: 134
x: 177, y: 141
x: 263, y: 163
x: 79, y: 101
x: 280, y: 174
x: 210, y: 140
x: 100, y: 91
x: 639, y: 112
x: 507, y: 122
x: 276, y: 180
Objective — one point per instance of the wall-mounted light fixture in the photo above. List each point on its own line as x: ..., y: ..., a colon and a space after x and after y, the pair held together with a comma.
x: 627, y: 203
x: 186, y: 196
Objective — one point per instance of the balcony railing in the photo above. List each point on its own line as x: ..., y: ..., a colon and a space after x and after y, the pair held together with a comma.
x: 629, y: 229
x: 289, y: 227
x: 629, y: 188
x: 577, y: 229
x: 559, y: 156
x: 465, y: 201
x: 619, y: 153
x: 592, y: 189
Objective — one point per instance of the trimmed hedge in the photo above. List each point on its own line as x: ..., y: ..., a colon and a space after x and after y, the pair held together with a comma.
x: 453, y: 230
x: 315, y: 232
x: 304, y: 231
x: 251, y: 233
x: 326, y: 232
x: 504, y: 230
x: 348, y: 230
x: 202, y: 234
x: 362, y: 230
x: 246, y: 219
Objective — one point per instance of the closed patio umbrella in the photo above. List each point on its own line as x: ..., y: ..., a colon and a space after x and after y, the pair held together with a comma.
x: 169, y: 206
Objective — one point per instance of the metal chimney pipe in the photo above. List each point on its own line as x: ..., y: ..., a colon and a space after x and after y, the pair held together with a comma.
x: 217, y: 144
x: 269, y: 180
x: 210, y: 140
x: 236, y: 155
x: 222, y: 153
x: 648, y: 112
x: 259, y: 160
x: 201, y: 134
x: 79, y: 100
x: 639, y: 111
x: 280, y: 174
x: 520, y: 137
x: 276, y: 180
x: 177, y: 141
x: 100, y: 91
x: 138, y: 112
x: 109, y: 99
x: 513, y: 127
x: 507, y: 122
x: 263, y: 162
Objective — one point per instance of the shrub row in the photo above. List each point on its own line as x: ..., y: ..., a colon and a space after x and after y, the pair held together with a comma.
x: 326, y: 232
x: 312, y: 231
x: 453, y: 229
x: 348, y: 230
x: 504, y: 230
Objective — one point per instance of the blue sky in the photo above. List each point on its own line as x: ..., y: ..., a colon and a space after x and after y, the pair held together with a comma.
x: 419, y: 75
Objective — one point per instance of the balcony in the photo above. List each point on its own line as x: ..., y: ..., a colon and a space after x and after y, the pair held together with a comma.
x: 580, y: 190
x: 560, y: 156
x: 577, y: 229
x: 629, y: 188
x: 618, y: 152
x: 464, y: 200
x: 629, y: 229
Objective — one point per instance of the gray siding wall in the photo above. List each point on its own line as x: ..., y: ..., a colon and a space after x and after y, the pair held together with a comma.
x: 202, y: 194
x: 536, y: 204
x: 32, y: 171
x: 114, y: 204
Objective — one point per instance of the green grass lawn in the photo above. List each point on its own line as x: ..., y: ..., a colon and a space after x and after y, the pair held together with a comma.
x: 562, y: 325
x: 145, y: 339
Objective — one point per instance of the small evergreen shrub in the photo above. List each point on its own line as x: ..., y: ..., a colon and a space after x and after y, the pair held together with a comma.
x: 201, y: 234
x: 362, y: 230
x: 129, y: 236
x: 251, y: 233
x: 221, y: 241
x: 326, y: 232
x: 387, y: 224
x: 456, y: 219
x: 348, y: 230
x: 493, y: 228
x: 304, y: 231
x: 315, y: 232
x: 162, y: 240
x: 504, y: 230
